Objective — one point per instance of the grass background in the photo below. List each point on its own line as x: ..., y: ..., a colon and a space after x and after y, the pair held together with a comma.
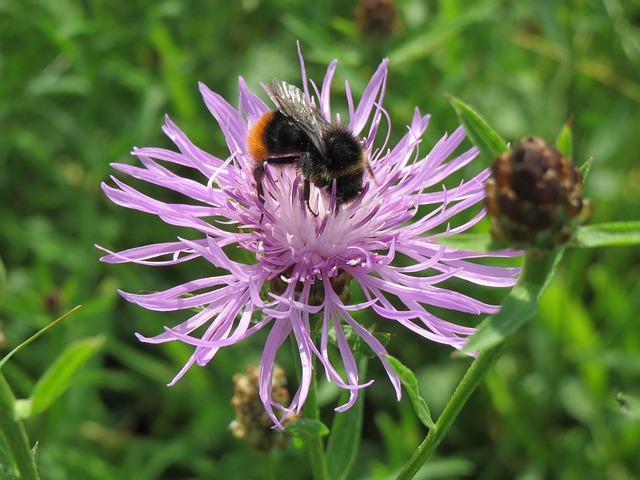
x: 81, y: 82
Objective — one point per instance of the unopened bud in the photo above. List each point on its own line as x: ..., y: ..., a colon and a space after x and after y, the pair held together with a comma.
x: 376, y: 17
x: 252, y: 424
x: 534, y: 195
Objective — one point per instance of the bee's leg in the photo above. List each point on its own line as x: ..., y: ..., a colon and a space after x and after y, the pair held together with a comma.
x: 307, y: 195
x: 258, y: 175
x: 259, y: 171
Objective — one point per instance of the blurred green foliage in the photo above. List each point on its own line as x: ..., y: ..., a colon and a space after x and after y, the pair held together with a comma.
x: 82, y: 82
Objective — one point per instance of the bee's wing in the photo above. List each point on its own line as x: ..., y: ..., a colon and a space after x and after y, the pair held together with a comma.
x: 292, y: 103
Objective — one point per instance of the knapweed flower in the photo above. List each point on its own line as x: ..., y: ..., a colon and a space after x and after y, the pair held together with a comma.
x: 305, y: 261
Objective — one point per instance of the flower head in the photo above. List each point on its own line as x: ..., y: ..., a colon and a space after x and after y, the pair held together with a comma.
x: 308, y: 261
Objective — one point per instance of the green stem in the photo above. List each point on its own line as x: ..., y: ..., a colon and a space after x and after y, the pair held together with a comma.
x: 518, y: 307
x: 465, y: 388
x: 15, y: 435
x: 315, y: 445
x: 269, y: 466
x: 311, y: 411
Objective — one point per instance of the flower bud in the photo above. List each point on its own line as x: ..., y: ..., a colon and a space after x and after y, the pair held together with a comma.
x: 534, y: 196
x: 252, y: 423
x: 376, y: 17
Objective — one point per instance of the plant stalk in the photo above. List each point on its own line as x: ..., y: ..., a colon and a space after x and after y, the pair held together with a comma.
x: 466, y: 387
x: 311, y: 411
x: 15, y: 435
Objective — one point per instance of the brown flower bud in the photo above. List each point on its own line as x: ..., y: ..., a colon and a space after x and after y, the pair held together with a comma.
x: 252, y: 424
x: 376, y: 17
x: 534, y: 196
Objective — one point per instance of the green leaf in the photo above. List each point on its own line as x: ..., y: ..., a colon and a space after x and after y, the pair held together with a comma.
x: 344, y: 442
x: 564, y: 140
x: 306, y: 429
x: 520, y: 304
x: 585, y: 168
x: 410, y: 383
x: 36, y: 335
x: 56, y: 379
x: 480, y: 133
x: 614, y: 234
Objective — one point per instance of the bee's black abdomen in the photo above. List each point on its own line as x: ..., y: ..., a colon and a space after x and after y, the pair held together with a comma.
x: 348, y: 188
x: 282, y: 135
x: 345, y: 162
x: 344, y: 151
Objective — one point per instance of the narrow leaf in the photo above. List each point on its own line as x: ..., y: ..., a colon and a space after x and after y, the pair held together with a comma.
x: 56, y: 379
x: 564, y: 140
x: 36, y: 335
x: 480, y: 133
x: 614, y: 234
x: 520, y: 304
x: 344, y: 441
x: 410, y: 383
x: 585, y: 168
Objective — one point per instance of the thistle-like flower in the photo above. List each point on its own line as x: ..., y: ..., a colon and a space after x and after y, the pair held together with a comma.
x: 308, y: 250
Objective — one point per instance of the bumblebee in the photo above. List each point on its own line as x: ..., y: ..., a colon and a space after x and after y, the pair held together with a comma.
x: 297, y: 133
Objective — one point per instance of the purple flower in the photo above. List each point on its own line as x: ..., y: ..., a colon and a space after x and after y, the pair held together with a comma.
x: 308, y: 261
